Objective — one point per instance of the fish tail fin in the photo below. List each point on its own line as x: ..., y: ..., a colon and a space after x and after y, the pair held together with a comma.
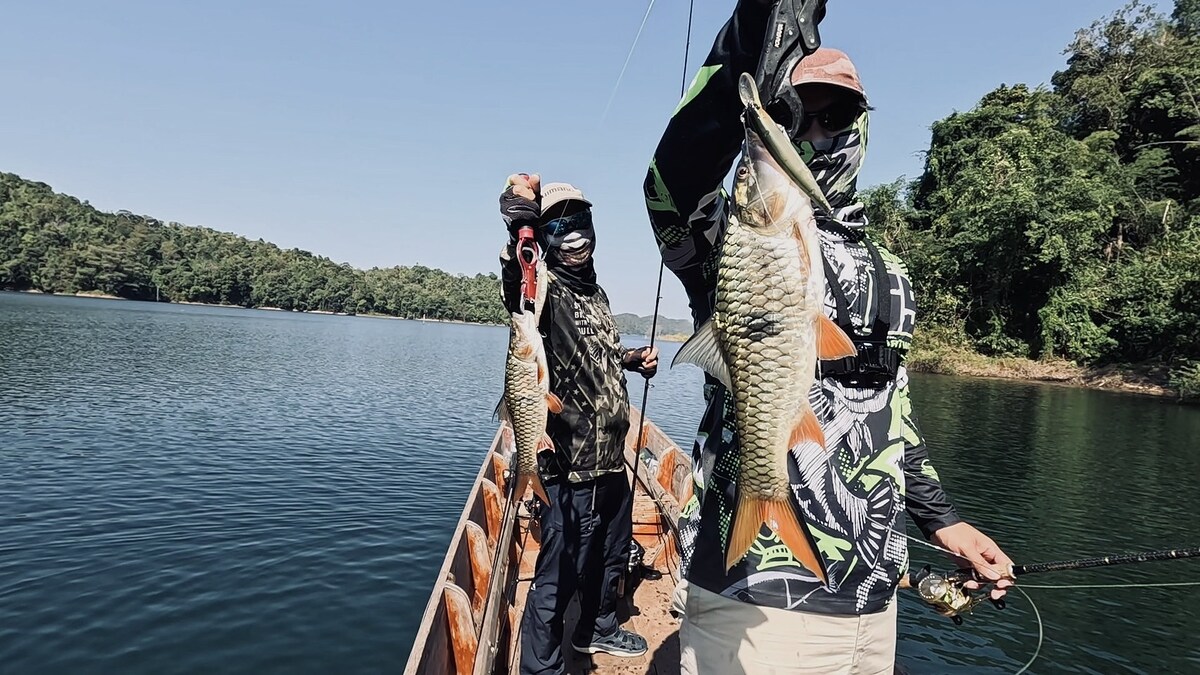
x: 746, y: 524
x: 531, y: 479
x: 752, y: 513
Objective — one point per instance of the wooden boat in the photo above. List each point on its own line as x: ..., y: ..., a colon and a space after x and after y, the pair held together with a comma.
x: 472, y: 621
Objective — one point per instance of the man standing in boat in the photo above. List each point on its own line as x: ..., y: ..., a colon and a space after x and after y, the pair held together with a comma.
x: 588, y: 525
x: 768, y: 613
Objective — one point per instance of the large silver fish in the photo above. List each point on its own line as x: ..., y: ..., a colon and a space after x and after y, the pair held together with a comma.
x: 769, y: 329
x: 527, y: 399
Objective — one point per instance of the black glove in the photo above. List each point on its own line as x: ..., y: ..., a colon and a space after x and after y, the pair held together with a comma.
x: 518, y: 211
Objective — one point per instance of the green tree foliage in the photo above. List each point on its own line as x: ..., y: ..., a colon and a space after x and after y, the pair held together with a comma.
x: 55, y: 243
x: 1066, y: 222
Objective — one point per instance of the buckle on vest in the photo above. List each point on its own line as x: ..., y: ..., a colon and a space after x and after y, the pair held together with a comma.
x: 873, y: 367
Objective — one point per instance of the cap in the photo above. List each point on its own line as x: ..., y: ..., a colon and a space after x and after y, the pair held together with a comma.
x: 828, y: 66
x: 558, y: 193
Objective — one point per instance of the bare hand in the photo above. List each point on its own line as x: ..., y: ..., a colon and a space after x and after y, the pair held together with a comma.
x: 525, y: 185
x: 977, y: 550
x: 644, y: 360
x: 650, y: 361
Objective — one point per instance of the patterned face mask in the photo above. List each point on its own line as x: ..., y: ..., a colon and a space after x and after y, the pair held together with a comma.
x: 835, y: 162
x: 571, y: 239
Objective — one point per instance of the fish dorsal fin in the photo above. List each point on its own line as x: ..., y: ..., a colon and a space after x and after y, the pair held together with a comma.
x: 501, y: 412
x: 832, y: 341
x: 554, y: 403
x: 703, y: 350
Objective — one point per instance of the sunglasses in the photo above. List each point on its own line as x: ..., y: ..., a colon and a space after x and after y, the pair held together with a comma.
x: 833, y: 117
x: 567, y: 224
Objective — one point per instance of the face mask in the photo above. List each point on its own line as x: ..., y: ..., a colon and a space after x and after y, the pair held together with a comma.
x: 835, y: 162
x: 571, y: 239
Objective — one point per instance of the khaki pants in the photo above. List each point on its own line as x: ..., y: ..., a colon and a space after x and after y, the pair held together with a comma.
x: 721, y: 636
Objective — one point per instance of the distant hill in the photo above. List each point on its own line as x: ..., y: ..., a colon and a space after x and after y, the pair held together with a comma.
x: 632, y: 324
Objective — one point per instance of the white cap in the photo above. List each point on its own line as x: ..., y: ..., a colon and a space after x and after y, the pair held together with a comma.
x: 557, y: 193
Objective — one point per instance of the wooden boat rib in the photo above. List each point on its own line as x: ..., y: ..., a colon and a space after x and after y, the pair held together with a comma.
x: 472, y: 620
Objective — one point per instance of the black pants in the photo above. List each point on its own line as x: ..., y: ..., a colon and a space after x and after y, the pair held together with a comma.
x: 586, y: 530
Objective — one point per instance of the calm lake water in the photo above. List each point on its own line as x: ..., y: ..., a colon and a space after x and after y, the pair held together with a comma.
x: 194, y: 490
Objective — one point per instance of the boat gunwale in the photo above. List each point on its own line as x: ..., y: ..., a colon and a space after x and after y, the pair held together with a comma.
x: 434, y: 603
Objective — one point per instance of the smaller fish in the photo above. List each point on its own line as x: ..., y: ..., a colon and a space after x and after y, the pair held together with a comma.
x: 527, y: 399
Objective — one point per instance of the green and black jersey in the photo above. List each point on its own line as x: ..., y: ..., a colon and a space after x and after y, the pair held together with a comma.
x: 853, y: 496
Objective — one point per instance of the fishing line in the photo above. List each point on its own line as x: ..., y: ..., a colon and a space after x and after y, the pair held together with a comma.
x: 629, y: 56
x: 637, y: 448
x: 1036, y: 613
x: 949, y: 552
x: 1041, y: 632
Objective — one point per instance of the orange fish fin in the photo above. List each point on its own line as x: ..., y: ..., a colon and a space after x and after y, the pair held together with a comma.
x: 746, y: 524
x: 554, y: 403
x: 832, y: 341
x: 806, y: 428
x: 531, y: 480
x: 544, y: 443
x: 781, y: 517
x: 799, y: 237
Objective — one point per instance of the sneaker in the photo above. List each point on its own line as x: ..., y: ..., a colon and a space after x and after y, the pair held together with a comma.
x: 621, y: 643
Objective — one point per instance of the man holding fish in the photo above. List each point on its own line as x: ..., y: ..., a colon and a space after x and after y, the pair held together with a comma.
x: 808, y: 455
x: 565, y: 398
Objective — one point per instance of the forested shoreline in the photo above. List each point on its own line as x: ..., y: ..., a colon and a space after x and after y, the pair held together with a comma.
x: 1062, y: 224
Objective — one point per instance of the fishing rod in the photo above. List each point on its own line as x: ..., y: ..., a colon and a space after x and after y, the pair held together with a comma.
x: 945, y: 592
x: 637, y: 448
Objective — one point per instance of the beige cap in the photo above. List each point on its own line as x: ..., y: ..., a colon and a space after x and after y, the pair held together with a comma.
x: 557, y: 193
x: 828, y: 66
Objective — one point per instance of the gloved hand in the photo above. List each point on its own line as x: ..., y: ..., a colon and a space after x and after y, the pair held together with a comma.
x: 520, y: 202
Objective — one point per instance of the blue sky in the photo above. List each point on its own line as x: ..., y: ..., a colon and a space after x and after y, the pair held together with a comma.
x: 380, y: 133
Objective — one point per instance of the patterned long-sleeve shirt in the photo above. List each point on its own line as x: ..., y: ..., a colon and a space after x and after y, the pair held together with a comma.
x: 852, y: 497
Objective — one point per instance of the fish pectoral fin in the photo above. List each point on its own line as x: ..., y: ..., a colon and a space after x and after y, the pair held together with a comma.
x: 806, y: 428
x: 544, y: 443
x: 703, y: 350
x: 501, y: 412
x: 832, y: 341
x: 554, y: 403
x: 798, y: 235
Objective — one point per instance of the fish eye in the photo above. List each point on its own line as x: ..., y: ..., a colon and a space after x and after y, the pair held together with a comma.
x: 742, y: 172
